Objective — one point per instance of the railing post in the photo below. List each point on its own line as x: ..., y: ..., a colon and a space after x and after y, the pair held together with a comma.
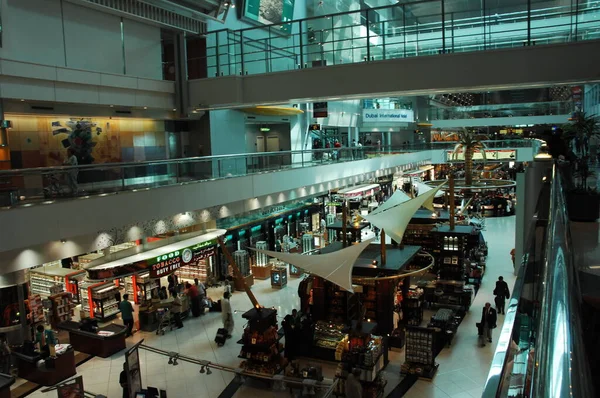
x: 404, y: 28
x: 576, y: 18
x: 242, y: 52
x: 368, y: 38
x: 300, y: 35
x: 443, y: 27
x: 484, y: 25
x: 528, y: 22
x: 217, y: 49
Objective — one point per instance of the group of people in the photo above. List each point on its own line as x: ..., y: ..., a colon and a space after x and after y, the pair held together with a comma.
x: 489, y: 315
x: 297, y: 329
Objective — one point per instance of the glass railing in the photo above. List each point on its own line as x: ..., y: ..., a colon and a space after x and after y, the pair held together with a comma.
x: 548, y: 109
x: 540, y: 351
x: 27, y: 186
x: 40, y: 185
x: 416, y: 28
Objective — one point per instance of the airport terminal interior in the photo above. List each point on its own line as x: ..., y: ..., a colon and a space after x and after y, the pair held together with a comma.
x: 299, y: 198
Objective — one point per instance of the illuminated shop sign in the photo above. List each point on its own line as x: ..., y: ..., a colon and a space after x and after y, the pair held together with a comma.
x: 388, y: 115
x: 167, y: 263
x: 160, y: 265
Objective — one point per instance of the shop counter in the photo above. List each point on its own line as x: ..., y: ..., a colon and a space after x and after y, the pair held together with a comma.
x: 101, y: 344
x: 52, y: 372
x: 5, y: 382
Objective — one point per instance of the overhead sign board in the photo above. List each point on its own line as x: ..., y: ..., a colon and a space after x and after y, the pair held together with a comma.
x: 388, y: 116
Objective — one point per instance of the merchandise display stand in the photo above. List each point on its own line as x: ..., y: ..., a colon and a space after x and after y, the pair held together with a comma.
x: 412, y: 307
x: 262, y: 269
x: 49, y: 280
x: 365, y: 352
x: 261, y: 349
x: 279, y: 277
x: 99, y: 300
x: 62, y: 308
x: 420, y: 352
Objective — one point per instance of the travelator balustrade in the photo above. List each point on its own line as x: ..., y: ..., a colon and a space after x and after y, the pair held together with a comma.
x: 480, y: 112
x: 414, y: 28
x: 540, y: 351
x: 37, y: 185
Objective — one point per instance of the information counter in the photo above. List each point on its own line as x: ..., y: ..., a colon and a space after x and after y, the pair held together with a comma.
x: 53, y: 371
x: 107, y: 341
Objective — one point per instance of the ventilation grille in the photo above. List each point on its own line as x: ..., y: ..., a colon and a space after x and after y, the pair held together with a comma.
x: 136, y: 9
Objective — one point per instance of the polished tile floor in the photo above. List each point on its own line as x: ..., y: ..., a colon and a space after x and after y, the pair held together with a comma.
x: 462, y: 372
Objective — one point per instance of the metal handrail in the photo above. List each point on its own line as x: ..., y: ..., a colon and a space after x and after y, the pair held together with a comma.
x: 562, y: 366
x: 365, y: 149
x: 556, y: 364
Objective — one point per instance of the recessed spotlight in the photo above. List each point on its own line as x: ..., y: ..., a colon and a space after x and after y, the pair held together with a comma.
x: 22, y: 100
x: 63, y: 241
x: 145, y: 107
x: 112, y: 106
x: 174, y: 109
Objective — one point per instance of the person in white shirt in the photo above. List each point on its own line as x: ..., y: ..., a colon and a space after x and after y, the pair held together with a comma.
x: 71, y: 160
x: 593, y: 148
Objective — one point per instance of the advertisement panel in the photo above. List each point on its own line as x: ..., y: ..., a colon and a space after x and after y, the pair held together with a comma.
x: 270, y: 12
x: 490, y: 154
x: 388, y: 115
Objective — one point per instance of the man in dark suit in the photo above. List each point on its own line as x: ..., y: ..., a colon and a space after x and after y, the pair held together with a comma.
x: 502, y: 293
x: 488, y: 322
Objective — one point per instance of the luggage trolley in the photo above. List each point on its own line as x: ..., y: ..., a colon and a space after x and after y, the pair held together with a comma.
x: 164, y: 321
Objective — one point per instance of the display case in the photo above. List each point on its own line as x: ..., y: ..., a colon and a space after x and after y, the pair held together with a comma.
x: 51, y: 279
x: 412, y: 307
x: 62, y: 307
x: 331, y: 337
x: 146, y: 288
x: 295, y: 272
x: 100, y: 300
x: 364, y: 353
x: 279, y: 277
x: 262, y: 268
x: 420, y: 352
x: 36, y: 309
x: 261, y: 349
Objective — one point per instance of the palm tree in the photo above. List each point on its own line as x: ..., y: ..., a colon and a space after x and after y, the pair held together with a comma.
x: 469, y: 142
x: 581, y: 126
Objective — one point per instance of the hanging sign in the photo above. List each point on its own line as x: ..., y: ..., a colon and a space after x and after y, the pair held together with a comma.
x: 388, y: 115
x: 320, y: 109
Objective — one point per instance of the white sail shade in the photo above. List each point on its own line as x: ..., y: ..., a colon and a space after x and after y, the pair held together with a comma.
x: 395, y: 220
x: 398, y: 197
x: 336, y: 267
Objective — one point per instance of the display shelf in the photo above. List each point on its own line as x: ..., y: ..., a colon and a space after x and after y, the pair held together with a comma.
x: 260, y: 343
x: 99, y: 299
x: 48, y: 279
x: 420, y: 352
x: 36, y: 309
x: 62, y: 307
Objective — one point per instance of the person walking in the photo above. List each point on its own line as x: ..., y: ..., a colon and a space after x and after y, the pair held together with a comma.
x: 127, y: 314
x: 5, y: 355
x: 353, y: 387
x: 227, y: 314
x: 593, y: 143
x: 194, y: 295
x: 502, y: 294
x: 71, y: 160
x: 488, y: 322
x: 176, y: 310
x: 123, y: 381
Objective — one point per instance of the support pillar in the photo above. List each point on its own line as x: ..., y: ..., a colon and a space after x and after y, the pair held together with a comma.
x: 452, y: 204
x: 182, y: 98
x: 421, y: 109
x: 4, y: 147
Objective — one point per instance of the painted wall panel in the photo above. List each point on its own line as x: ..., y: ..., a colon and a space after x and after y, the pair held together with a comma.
x: 142, y: 50
x: 93, y: 40
x: 32, y: 31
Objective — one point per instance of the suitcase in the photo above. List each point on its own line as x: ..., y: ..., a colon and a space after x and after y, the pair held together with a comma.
x: 221, y: 337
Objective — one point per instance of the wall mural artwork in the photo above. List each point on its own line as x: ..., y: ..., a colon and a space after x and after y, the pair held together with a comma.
x: 79, y: 135
x: 42, y: 141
